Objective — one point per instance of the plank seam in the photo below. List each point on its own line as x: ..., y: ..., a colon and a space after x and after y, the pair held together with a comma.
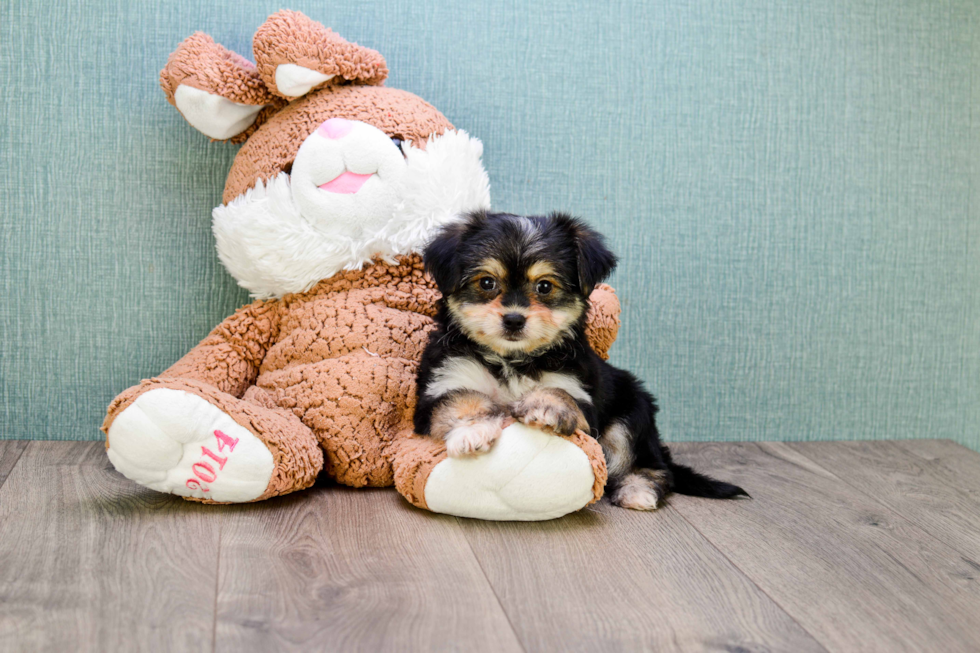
x: 923, y: 528
x: 493, y: 589
x: 903, y: 445
x: 749, y: 578
x: 217, y: 585
x: 938, y: 462
x: 20, y: 455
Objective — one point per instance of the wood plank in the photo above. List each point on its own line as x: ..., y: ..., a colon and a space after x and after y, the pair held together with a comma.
x: 89, y: 561
x: 352, y: 570
x: 612, y: 579
x: 10, y: 452
x: 922, y: 492
x: 855, y: 574
x: 950, y: 460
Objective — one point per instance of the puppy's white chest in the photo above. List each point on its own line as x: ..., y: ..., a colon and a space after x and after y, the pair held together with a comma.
x: 516, y: 386
x: 461, y: 373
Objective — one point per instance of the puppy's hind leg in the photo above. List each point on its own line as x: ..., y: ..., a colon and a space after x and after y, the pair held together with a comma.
x: 631, y: 485
x: 641, y: 489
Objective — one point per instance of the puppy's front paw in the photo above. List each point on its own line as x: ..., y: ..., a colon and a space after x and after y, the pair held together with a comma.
x: 550, y: 409
x: 474, y: 438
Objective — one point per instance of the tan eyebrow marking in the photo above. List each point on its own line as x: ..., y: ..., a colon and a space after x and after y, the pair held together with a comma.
x: 494, y: 267
x: 541, y: 269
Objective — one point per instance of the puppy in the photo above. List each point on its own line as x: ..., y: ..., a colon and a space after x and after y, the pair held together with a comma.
x: 510, y: 344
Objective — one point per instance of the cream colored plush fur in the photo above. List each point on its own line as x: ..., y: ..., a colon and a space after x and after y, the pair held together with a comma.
x: 269, y: 245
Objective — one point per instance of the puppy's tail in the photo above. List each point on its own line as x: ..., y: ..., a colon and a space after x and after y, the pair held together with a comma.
x: 692, y: 483
x: 687, y: 481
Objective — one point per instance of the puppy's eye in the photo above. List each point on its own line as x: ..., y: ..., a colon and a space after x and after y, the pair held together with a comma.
x: 398, y: 143
x: 543, y: 287
x: 488, y: 283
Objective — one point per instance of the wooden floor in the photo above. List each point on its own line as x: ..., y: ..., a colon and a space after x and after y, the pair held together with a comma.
x: 844, y: 547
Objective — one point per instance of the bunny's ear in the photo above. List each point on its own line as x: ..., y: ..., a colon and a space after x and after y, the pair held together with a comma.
x: 217, y: 91
x: 294, y: 54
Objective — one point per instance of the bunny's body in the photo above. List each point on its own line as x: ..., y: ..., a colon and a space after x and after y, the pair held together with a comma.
x: 338, y: 186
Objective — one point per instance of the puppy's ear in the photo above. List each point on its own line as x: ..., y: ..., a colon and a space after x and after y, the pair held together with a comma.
x: 595, y: 261
x: 440, y: 258
x: 442, y: 254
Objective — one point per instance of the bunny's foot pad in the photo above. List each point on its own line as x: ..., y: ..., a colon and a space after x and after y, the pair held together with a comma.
x: 177, y: 442
x: 528, y: 475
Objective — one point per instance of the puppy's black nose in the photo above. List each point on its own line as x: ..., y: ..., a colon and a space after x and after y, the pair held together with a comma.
x: 514, y: 321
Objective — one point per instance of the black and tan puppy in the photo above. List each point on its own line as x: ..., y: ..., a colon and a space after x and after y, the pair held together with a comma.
x: 510, y: 344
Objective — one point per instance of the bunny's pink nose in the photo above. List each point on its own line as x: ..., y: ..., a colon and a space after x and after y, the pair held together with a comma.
x: 335, y: 128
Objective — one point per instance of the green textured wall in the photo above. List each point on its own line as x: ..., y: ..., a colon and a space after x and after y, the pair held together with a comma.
x: 792, y: 187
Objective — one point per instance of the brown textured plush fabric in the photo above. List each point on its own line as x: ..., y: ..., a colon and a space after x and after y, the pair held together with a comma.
x: 325, y: 378
x: 292, y: 38
x: 201, y: 63
x: 271, y: 142
x: 416, y: 456
x: 603, y: 324
x: 593, y: 450
x: 340, y: 358
x: 273, y: 146
x: 208, y: 66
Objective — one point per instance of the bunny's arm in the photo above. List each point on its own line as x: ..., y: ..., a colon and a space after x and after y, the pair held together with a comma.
x: 230, y: 356
x: 603, y: 322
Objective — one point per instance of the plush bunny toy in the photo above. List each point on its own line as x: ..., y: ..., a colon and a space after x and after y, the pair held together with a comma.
x: 337, y: 187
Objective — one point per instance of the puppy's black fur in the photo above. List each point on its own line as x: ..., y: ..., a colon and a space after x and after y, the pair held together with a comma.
x: 515, y: 302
